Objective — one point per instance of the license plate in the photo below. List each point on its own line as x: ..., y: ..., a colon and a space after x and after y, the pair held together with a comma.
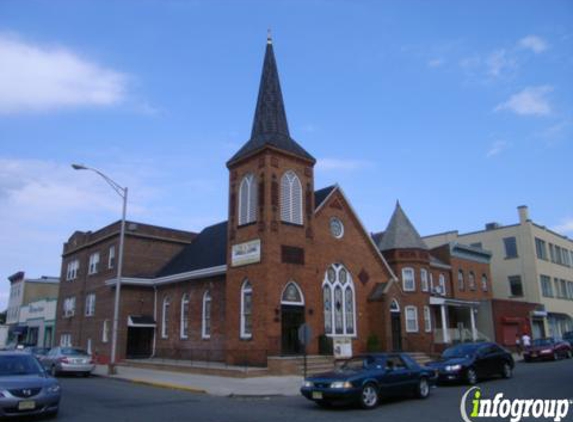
x: 79, y: 361
x: 27, y: 405
x: 317, y: 395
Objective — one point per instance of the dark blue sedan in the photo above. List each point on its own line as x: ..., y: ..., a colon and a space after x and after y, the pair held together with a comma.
x: 364, y: 379
x: 470, y: 362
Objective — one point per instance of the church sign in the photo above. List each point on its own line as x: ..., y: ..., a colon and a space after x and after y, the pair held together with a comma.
x: 246, y: 253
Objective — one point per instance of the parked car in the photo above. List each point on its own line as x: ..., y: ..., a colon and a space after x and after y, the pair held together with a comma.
x: 68, y: 360
x: 364, y: 379
x: 39, y: 352
x: 547, y: 349
x: 25, y: 388
x: 470, y: 362
x: 568, y: 337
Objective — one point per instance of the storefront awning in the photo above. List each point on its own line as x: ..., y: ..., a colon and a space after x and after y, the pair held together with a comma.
x: 141, y: 321
x: 19, y: 329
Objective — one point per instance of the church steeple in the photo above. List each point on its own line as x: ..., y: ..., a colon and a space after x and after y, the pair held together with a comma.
x: 270, y: 127
x: 400, y: 233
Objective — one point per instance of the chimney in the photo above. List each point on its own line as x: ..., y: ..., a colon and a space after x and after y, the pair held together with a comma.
x: 523, y: 214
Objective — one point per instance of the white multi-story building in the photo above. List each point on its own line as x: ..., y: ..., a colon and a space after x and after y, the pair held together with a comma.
x: 529, y: 263
x: 24, y: 291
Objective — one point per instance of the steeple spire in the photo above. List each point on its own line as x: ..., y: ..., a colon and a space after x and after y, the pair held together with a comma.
x: 270, y: 127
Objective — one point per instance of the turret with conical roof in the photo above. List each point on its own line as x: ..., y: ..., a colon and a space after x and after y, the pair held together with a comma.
x: 400, y: 233
x: 270, y: 127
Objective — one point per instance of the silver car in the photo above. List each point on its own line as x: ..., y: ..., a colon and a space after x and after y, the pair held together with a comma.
x: 25, y: 388
x: 68, y: 360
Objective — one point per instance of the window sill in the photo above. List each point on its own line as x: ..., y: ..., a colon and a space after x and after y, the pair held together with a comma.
x: 206, y: 338
x: 246, y: 338
x: 251, y: 223
x: 288, y: 223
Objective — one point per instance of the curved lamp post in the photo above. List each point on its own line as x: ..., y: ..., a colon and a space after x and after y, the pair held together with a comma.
x: 122, y: 192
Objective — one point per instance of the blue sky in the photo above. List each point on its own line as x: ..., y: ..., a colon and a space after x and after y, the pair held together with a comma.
x: 461, y: 110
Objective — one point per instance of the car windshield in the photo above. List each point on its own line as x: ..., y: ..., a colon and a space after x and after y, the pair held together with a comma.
x: 19, y: 365
x: 354, y: 364
x: 39, y: 350
x: 543, y: 342
x: 69, y: 351
x: 460, y: 351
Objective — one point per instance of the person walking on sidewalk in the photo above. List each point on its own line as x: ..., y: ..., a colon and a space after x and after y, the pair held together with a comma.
x: 525, y: 341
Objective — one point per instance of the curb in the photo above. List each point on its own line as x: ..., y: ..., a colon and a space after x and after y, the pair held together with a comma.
x: 167, y: 385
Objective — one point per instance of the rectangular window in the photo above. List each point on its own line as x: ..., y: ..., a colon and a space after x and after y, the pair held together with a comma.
x: 541, y: 249
x: 424, y: 279
x: 408, y: 280
x: 552, y: 252
x: 546, y: 287
x: 558, y: 255
x: 66, y: 340
x: 515, y: 286
x: 292, y: 255
x: 565, y: 258
x: 570, y: 289
x: 563, y: 285
x: 69, y: 306
x: 411, y: 319
x: 94, y: 263
x: 72, y: 271
x: 510, y: 247
x: 111, y: 257
x: 90, y: 304
x: 427, y: 319
x: 556, y: 287
x: 105, y: 331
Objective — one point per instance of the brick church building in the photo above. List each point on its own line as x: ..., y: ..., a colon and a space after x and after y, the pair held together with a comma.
x: 288, y: 254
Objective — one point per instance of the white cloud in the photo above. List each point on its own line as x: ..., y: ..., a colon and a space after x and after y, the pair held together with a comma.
x: 499, y: 63
x: 566, y: 226
x: 337, y: 164
x: 533, y: 43
x: 437, y: 62
x: 39, y: 78
x: 530, y: 101
x: 497, y: 148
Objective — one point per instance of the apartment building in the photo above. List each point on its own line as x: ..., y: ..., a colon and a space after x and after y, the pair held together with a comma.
x: 530, y: 263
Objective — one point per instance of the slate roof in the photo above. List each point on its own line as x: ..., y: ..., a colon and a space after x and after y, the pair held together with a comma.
x: 400, y: 233
x: 270, y: 127
x: 208, y: 249
x: 436, y: 261
x: 321, y: 194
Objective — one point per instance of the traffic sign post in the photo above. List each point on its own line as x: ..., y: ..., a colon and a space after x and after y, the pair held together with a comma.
x: 304, y: 336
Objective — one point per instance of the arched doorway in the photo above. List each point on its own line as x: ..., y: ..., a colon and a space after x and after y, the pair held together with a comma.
x: 292, y: 317
x: 396, y: 325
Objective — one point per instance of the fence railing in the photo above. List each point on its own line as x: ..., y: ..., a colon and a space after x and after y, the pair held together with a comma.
x: 457, y: 335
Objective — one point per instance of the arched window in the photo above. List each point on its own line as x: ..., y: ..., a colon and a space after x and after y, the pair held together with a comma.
x: 484, y: 282
x: 165, y: 317
x: 246, y: 310
x: 206, y: 320
x: 460, y: 280
x: 472, y: 280
x: 338, y: 301
x: 291, y: 198
x: 411, y: 319
x: 424, y: 279
x: 394, y: 306
x: 408, y: 279
x: 248, y: 200
x: 292, y: 295
x: 184, y: 323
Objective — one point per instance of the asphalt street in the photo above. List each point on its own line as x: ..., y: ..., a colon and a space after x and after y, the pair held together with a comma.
x: 105, y: 400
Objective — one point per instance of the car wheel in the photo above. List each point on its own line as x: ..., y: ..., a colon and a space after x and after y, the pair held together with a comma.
x: 471, y: 376
x: 86, y: 374
x: 53, y: 414
x: 568, y: 354
x: 53, y: 371
x: 423, y: 388
x: 369, y: 397
x: 555, y: 356
x: 506, y: 371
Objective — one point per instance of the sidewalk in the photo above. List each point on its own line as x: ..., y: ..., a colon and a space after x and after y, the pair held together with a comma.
x: 215, y: 385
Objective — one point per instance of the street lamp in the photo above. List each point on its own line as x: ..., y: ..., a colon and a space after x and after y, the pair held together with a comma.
x: 122, y: 192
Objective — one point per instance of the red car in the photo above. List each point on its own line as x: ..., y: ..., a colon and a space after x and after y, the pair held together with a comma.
x: 547, y: 349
